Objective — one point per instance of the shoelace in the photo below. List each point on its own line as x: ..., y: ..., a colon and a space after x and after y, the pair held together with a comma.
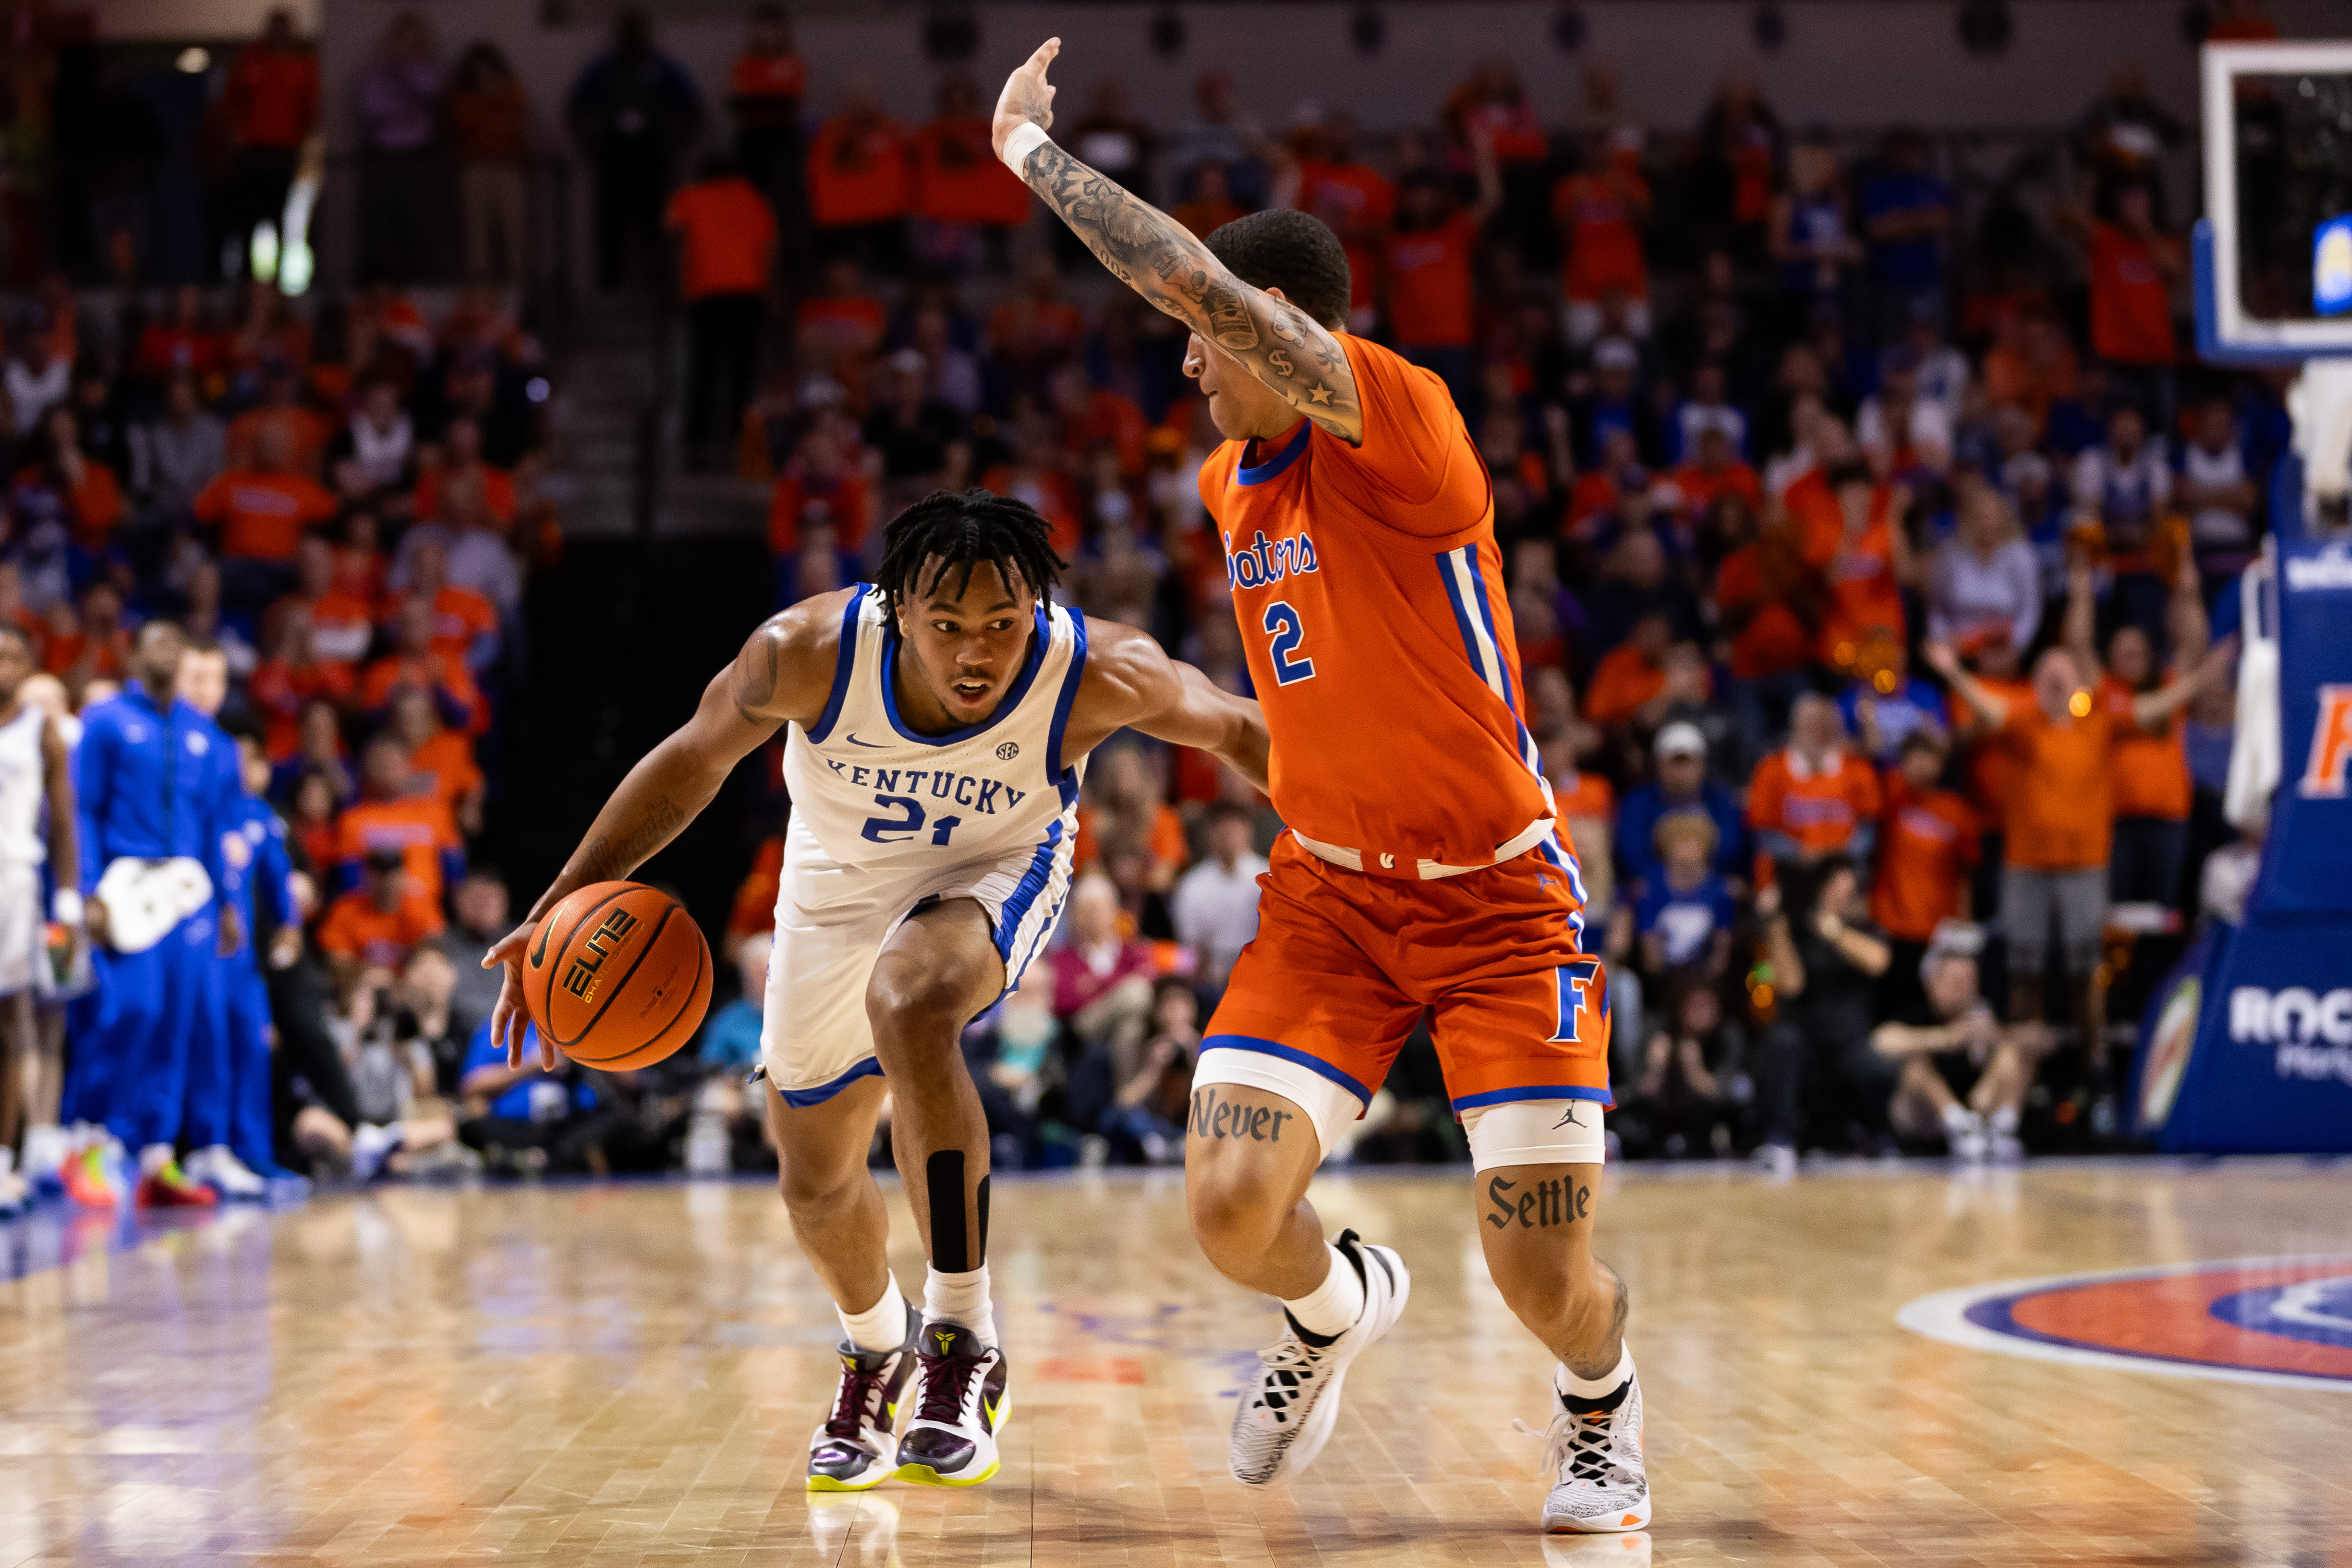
x: 850, y: 1410
x: 946, y: 1380
x: 1581, y: 1443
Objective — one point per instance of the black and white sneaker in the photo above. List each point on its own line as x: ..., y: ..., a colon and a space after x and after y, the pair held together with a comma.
x: 857, y: 1447
x: 1282, y: 1423
x: 1592, y: 1457
x: 960, y: 1407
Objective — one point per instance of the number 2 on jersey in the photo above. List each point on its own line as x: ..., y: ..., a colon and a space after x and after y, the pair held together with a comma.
x: 909, y: 821
x: 1282, y: 621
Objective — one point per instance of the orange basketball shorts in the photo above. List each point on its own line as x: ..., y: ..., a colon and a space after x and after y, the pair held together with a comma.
x: 1345, y: 962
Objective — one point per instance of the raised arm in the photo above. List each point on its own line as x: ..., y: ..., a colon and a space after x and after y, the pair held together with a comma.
x: 1946, y: 664
x: 1130, y: 682
x: 1157, y: 258
x: 784, y: 671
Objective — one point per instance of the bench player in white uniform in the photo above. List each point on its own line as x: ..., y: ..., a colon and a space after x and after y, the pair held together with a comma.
x: 940, y: 723
x: 35, y: 783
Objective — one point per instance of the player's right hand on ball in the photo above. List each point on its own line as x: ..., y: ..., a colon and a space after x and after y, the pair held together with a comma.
x: 509, y: 1016
x: 1027, y: 98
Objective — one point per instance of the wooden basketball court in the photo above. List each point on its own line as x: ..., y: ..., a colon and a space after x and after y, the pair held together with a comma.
x: 628, y: 1374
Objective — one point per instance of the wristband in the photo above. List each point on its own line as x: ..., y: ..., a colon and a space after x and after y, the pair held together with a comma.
x: 65, y: 906
x: 1025, y: 140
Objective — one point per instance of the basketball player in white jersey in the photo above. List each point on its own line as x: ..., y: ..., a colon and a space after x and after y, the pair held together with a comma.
x: 35, y: 783
x: 940, y: 723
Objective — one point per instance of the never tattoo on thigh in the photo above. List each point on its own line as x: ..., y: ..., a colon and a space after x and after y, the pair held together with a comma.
x: 1537, y: 1206
x: 1213, y: 1117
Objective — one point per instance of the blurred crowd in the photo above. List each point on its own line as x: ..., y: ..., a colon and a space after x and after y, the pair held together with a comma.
x: 1872, y: 539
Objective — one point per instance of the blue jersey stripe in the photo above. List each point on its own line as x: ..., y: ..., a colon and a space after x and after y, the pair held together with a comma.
x: 1315, y: 1064
x: 801, y: 1099
x: 843, y: 662
x: 1065, y: 779
x: 1487, y: 617
x: 1025, y: 894
x: 1461, y: 613
x: 1535, y: 1092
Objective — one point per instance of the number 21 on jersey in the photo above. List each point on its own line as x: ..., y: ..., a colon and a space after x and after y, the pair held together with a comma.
x: 1283, y: 625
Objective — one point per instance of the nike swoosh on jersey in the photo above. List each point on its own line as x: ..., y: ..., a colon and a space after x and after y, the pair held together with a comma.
x: 876, y: 744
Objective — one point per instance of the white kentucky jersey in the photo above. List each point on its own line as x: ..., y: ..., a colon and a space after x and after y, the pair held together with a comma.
x: 24, y: 782
x: 879, y: 796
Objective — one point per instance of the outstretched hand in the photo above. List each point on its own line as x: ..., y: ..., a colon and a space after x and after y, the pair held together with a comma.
x: 1027, y: 98
x: 504, y: 1028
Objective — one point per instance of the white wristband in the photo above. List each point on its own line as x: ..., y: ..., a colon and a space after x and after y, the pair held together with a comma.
x: 65, y: 906
x: 1023, y: 141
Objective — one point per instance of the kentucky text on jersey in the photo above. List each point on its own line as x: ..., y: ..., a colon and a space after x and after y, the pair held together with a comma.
x: 983, y: 795
x: 1266, y: 561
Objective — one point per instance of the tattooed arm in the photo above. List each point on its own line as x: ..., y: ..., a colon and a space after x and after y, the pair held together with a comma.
x: 784, y: 671
x: 1160, y: 259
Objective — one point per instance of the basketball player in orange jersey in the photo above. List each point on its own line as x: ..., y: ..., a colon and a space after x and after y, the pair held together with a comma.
x: 1424, y: 869
x: 940, y: 720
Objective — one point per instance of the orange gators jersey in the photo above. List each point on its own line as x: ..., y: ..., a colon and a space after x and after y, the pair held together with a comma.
x: 1370, y: 592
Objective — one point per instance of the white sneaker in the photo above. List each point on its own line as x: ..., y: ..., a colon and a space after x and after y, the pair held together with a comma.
x: 1593, y: 1455
x: 959, y: 1406
x: 16, y: 1195
x: 219, y: 1168
x: 1282, y: 1424
x: 370, y: 1146
x: 1965, y: 1132
x: 857, y: 1447
x: 1778, y: 1161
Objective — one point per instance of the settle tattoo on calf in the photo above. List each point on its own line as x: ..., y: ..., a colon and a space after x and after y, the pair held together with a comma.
x: 1216, y: 1118
x: 1544, y: 1204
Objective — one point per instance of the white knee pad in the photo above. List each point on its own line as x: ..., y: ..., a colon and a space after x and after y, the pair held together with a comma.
x: 1327, y: 1105
x: 1535, y: 1132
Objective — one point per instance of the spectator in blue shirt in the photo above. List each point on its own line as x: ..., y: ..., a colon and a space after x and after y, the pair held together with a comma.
x: 730, y: 1038
x: 1684, y: 917
x: 1906, y: 212
x: 1681, y: 789
x: 1883, y: 710
x: 524, y: 1120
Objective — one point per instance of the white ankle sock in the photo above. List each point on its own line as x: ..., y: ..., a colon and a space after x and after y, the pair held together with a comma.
x: 961, y: 1299
x: 153, y: 1158
x: 883, y: 1325
x: 2004, y: 1120
x: 1333, y: 1306
x: 1563, y: 1381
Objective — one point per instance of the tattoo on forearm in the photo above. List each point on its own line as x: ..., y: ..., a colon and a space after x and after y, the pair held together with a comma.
x: 1543, y: 1205
x: 1216, y: 1118
x: 607, y: 857
x: 1155, y: 256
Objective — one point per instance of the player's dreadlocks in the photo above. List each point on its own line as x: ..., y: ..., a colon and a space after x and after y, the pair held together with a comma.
x: 964, y: 530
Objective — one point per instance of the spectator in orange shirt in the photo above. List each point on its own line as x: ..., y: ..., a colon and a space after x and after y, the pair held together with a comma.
x: 754, y: 911
x: 1429, y: 296
x: 1927, y: 844
x: 1770, y: 601
x: 490, y: 125
x: 820, y: 486
x: 727, y: 246
x: 1716, y: 472
x: 1211, y: 206
x: 270, y: 103
x: 763, y: 93
x: 460, y: 456
x: 1813, y: 799
x: 2153, y: 791
x: 1630, y: 678
x: 379, y: 923
x: 291, y: 679
x: 2134, y: 265
x: 305, y: 430
x: 2060, y: 826
x: 414, y: 663
x: 844, y: 319
x: 342, y: 624
x: 1092, y: 416
x: 1357, y: 201
x: 94, y: 645
x: 1865, y: 558
x: 261, y: 513
x: 1128, y: 811
x: 442, y: 755
x: 1035, y: 329
x: 1601, y: 212
x: 63, y: 489
x: 401, y: 812
x: 465, y: 625
x: 860, y: 179
x: 958, y: 181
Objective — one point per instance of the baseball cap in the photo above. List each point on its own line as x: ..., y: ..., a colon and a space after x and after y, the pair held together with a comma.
x: 1680, y: 738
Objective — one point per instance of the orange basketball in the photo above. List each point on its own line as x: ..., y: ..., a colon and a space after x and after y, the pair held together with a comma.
x: 617, y: 976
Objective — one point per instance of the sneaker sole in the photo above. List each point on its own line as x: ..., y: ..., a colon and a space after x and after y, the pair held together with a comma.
x: 916, y: 1474
x: 1626, y: 1522
x: 1325, y: 1416
x: 873, y: 1477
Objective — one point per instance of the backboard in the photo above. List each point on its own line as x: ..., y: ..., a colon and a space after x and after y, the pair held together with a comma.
x: 2273, y: 252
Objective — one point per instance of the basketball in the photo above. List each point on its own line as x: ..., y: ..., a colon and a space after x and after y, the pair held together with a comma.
x: 617, y: 976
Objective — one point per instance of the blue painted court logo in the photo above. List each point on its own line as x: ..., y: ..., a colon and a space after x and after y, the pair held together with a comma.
x: 2276, y: 1321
